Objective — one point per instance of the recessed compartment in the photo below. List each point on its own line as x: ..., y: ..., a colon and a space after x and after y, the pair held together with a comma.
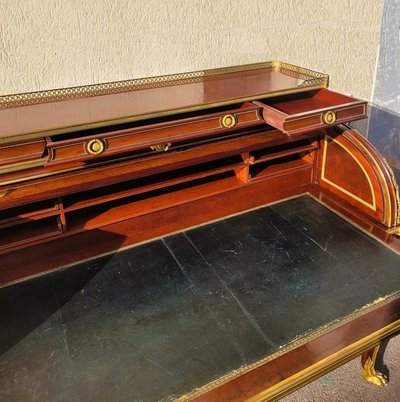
x: 101, y: 214
x: 282, y: 159
x: 309, y: 111
x: 279, y: 166
x: 150, y: 183
x: 135, y: 196
x: 299, y: 147
x: 29, y: 232
x: 29, y: 212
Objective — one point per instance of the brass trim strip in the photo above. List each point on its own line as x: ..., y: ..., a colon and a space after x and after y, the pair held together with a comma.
x: 396, y: 189
x: 14, y: 167
x: 38, y: 176
x: 19, y: 144
x: 326, y: 365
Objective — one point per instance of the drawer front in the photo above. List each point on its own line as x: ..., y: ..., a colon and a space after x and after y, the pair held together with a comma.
x: 324, y: 118
x: 156, y: 137
x: 323, y: 109
x: 21, y: 151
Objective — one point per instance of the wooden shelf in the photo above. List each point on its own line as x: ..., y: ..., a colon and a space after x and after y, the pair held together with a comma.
x: 151, y: 183
x: 266, y: 155
x: 31, y: 231
x: 97, y: 216
x: 25, y: 213
x: 278, y: 167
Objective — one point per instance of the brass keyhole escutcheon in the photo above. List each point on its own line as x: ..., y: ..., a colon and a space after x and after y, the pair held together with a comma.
x: 95, y: 147
x: 228, y: 121
x: 161, y: 147
x: 329, y: 117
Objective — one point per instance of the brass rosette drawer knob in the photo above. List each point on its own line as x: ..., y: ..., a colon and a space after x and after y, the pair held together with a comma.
x: 329, y: 117
x: 95, y: 147
x: 228, y: 121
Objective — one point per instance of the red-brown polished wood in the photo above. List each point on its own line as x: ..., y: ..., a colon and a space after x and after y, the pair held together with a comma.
x: 60, y: 204
x: 183, y: 94
x: 353, y: 170
x: 287, y: 365
x: 311, y: 111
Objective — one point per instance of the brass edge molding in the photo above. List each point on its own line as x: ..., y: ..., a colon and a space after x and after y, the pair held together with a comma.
x: 14, y: 167
x: 21, y: 144
x: 31, y: 98
x: 396, y: 188
x: 37, y: 176
x: 289, y: 347
x: 326, y: 365
x: 343, y: 190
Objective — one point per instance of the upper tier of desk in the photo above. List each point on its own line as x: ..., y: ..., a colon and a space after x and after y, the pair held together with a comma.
x: 65, y: 110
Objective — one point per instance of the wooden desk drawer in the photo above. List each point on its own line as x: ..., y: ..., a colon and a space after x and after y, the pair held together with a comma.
x: 17, y: 152
x: 311, y: 111
x: 154, y: 137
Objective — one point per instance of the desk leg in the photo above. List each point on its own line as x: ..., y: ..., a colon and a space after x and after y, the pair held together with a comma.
x: 373, y: 376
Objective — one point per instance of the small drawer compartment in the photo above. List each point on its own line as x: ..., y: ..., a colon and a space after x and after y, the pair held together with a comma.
x: 25, y: 213
x: 311, y: 111
x: 152, y: 137
x: 29, y: 232
x: 17, y: 152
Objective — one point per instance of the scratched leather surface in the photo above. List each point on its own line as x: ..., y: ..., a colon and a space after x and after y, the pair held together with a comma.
x: 158, y: 320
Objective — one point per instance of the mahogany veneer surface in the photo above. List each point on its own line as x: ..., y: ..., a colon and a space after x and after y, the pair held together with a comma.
x: 95, y: 109
x: 156, y: 321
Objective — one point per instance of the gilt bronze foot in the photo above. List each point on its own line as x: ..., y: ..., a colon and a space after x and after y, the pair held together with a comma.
x: 370, y: 373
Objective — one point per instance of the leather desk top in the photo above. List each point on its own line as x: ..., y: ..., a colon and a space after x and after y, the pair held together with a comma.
x: 157, y: 321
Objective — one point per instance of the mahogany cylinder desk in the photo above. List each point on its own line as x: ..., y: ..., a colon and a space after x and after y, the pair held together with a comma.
x: 88, y: 171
